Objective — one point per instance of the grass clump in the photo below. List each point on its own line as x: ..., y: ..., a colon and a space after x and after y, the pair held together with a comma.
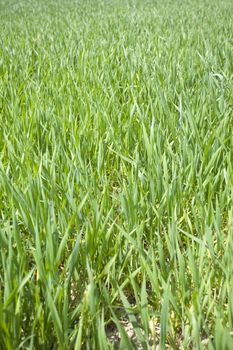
x: 116, y: 179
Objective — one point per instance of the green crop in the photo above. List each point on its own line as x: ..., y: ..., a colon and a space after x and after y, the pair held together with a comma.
x: 116, y: 174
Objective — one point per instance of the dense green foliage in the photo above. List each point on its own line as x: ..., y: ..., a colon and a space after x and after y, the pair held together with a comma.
x: 116, y: 178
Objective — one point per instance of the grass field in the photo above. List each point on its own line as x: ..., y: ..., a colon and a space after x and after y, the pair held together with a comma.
x: 116, y: 174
